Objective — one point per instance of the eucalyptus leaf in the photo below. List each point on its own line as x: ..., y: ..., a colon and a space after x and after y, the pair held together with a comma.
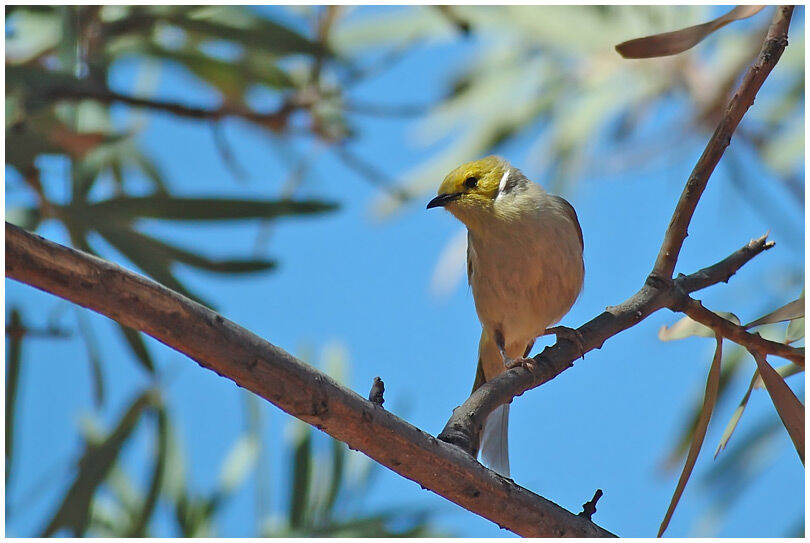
x: 15, y: 332
x: 788, y: 312
x: 731, y: 365
x: 95, y: 464
x: 301, y: 478
x: 240, y: 460
x: 144, y: 515
x: 138, y: 347
x: 795, y: 330
x: 93, y: 356
x: 128, y: 242
x: 202, y: 209
x: 336, y: 482
x: 709, y: 399
x: 253, y: 32
x: 735, y: 417
x: 790, y: 409
x: 686, y: 327
x: 672, y: 43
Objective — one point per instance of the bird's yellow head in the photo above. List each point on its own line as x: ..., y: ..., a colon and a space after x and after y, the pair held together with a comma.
x: 470, y: 190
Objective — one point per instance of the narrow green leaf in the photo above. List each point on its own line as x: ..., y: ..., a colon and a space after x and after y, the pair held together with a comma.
x: 254, y: 424
x: 164, y: 251
x: 203, y: 209
x: 735, y: 417
x: 788, y: 312
x: 174, y: 482
x: 28, y: 218
x: 336, y: 482
x: 138, y: 346
x: 97, y: 154
x: 39, y: 85
x: 301, y: 479
x: 93, y: 356
x: 730, y: 366
x: 126, y: 496
x: 171, y: 252
x: 790, y: 409
x: 147, y: 166
x: 155, y: 265
x: 240, y: 460
x: 756, y: 382
x: 709, y: 400
x: 15, y: 332
x: 156, y: 482
x: 231, y: 78
x: 253, y: 32
x: 74, y: 511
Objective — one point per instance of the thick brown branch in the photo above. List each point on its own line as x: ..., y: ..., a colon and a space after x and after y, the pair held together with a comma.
x: 775, y: 43
x: 737, y: 334
x: 235, y: 353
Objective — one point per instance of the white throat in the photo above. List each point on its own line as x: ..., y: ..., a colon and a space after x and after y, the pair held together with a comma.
x: 502, y: 184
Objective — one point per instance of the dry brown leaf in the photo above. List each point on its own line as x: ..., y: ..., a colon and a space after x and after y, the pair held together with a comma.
x: 790, y: 409
x: 672, y: 43
x: 709, y: 399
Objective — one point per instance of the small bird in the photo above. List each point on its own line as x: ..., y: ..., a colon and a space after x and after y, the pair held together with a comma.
x: 525, y: 267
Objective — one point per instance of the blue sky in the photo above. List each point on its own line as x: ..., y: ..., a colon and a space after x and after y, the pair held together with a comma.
x: 353, y: 281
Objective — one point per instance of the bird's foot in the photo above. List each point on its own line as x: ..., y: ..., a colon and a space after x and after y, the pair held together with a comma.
x: 570, y: 334
x: 521, y: 361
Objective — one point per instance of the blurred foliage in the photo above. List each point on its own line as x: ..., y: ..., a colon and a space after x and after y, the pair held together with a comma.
x: 59, y: 103
x: 552, y: 75
x: 549, y: 75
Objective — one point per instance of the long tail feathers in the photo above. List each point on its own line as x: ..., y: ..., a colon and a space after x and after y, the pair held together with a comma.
x: 495, y: 441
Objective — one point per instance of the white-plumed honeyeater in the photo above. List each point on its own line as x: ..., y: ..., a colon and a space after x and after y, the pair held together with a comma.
x: 524, y: 264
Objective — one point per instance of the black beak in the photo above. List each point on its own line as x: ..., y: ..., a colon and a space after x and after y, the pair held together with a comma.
x: 443, y: 199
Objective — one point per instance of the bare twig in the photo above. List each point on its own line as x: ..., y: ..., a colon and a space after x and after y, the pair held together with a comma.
x: 589, y: 507
x: 723, y: 270
x: 377, y: 391
x: 775, y: 43
x: 251, y: 362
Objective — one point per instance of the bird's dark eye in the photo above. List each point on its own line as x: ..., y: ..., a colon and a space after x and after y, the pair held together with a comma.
x: 471, y: 182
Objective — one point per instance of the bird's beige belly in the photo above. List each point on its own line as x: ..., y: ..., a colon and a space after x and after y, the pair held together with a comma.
x: 523, y: 293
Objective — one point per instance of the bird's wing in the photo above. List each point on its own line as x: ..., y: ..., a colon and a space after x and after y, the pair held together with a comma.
x: 480, y: 379
x: 479, y: 376
x: 572, y: 214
